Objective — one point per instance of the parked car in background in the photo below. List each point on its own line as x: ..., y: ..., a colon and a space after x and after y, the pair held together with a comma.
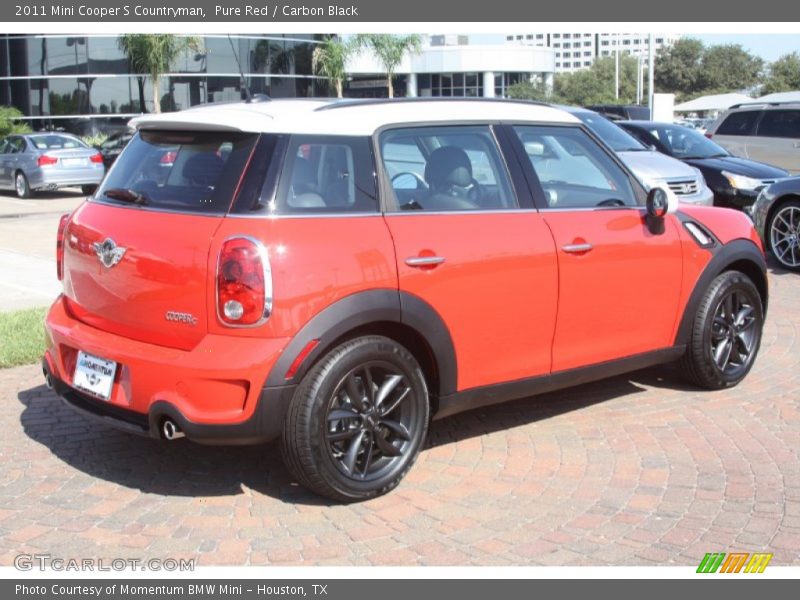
x: 768, y: 133
x: 651, y: 167
x: 735, y: 181
x: 111, y: 148
x: 776, y: 214
x: 621, y: 111
x: 47, y: 161
x: 334, y: 274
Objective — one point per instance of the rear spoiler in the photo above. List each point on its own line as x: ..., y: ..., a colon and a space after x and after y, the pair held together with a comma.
x: 193, y: 119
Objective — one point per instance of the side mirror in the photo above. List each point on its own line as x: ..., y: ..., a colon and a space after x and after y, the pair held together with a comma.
x: 660, y: 202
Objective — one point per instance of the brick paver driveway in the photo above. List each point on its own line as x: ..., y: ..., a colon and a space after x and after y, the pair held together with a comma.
x: 635, y: 470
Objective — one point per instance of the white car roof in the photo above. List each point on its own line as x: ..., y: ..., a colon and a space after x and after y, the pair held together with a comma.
x: 346, y: 117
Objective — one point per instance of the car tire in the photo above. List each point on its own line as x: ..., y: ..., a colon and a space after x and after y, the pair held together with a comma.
x: 783, y: 235
x: 21, y: 185
x: 345, y: 442
x: 726, y: 332
x: 88, y: 190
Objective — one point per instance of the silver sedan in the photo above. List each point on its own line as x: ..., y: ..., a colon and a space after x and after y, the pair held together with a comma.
x: 47, y: 161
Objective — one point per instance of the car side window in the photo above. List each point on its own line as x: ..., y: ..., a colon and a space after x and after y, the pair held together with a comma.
x: 15, y: 145
x: 326, y: 174
x: 453, y: 168
x: 738, y: 123
x: 780, y: 123
x: 573, y: 170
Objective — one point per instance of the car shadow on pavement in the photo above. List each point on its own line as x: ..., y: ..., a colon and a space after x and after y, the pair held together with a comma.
x: 183, y: 468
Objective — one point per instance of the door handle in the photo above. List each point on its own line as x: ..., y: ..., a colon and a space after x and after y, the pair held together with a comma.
x: 577, y: 248
x: 797, y: 144
x: 424, y: 261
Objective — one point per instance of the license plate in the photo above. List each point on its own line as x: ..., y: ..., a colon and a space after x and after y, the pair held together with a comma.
x: 94, y: 375
x: 73, y: 162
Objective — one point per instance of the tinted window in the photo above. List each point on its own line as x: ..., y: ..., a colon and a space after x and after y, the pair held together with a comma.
x: 183, y: 171
x: 446, y: 169
x: 780, y: 123
x: 573, y: 170
x: 738, y: 123
x: 326, y: 174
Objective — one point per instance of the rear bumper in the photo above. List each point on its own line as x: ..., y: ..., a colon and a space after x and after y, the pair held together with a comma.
x: 214, y: 393
x: 42, y: 178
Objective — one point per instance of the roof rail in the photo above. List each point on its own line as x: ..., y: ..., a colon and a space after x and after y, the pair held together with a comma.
x: 345, y: 103
x: 757, y: 103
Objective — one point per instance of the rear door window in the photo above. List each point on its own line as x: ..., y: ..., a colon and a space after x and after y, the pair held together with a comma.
x: 446, y: 169
x: 739, y: 123
x: 780, y: 123
x: 180, y: 171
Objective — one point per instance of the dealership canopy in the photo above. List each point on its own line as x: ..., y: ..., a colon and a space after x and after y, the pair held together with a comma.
x: 715, y: 102
x: 780, y: 97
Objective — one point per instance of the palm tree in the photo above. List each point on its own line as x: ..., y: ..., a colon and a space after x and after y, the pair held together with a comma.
x: 389, y: 50
x: 152, y: 54
x: 329, y: 59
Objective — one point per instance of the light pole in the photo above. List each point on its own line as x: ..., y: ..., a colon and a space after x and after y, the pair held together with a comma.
x: 650, y: 72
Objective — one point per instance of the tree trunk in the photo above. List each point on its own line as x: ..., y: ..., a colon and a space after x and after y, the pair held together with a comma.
x: 156, y: 99
x: 142, y: 103
x: 389, y: 85
x: 339, y: 93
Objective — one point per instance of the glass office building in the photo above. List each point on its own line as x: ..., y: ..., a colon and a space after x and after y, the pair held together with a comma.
x: 84, y: 84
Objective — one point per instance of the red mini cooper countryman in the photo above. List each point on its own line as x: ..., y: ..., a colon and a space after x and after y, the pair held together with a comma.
x: 337, y: 273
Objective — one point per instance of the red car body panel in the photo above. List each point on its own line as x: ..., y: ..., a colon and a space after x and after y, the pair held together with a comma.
x: 497, y: 290
x: 164, y: 268
x: 621, y: 297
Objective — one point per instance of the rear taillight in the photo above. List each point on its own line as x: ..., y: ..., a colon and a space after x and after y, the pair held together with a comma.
x: 168, y: 158
x: 62, y: 226
x: 96, y: 158
x: 45, y: 161
x: 244, y: 282
x: 709, y: 135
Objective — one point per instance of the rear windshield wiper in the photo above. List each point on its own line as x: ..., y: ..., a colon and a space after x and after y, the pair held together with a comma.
x: 125, y: 195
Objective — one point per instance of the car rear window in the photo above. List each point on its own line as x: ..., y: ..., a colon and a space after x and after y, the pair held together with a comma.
x: 738, y: 123
x: 56, y: 142
x: 194, y: 172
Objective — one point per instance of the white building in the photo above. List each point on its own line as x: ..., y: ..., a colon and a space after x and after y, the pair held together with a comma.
x: 450, y: 66
x: 575, y: 51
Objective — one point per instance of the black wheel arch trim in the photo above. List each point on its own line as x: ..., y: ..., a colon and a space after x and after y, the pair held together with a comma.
x: 724, y: 256
x: 361, y: 310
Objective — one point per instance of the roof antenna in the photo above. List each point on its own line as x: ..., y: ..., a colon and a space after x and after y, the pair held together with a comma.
x: 247, y: 93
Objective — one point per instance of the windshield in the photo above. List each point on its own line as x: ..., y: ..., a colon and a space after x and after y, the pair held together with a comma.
x: 616, y: 137
x: 182, y: 171
x: 683, y: 142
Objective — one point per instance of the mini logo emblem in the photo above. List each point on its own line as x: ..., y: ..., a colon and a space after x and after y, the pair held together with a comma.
x: 108, y: 252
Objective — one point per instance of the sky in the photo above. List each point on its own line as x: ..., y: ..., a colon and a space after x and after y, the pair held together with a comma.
x: 767, y: 46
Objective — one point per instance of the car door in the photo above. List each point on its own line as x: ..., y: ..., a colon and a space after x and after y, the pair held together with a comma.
x: 466, y: 246
x: 618, y: 282
x: 777, y: 140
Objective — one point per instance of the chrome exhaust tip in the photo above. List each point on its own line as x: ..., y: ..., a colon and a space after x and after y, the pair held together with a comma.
x: 47, y: 379
x: 171, y: 431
